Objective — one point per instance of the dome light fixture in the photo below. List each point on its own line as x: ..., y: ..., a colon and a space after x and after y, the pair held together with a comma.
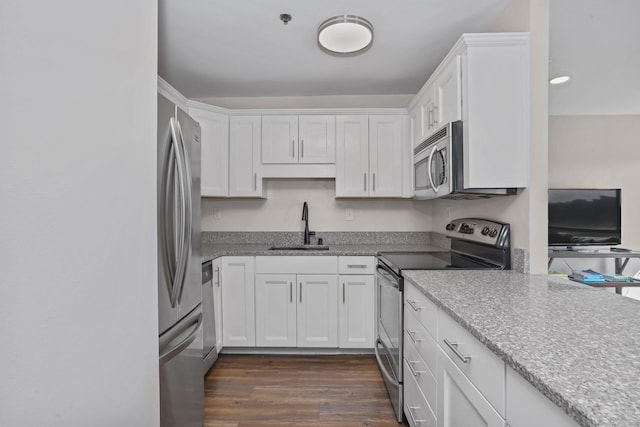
x: 559, y: 80
x: 345, y: 35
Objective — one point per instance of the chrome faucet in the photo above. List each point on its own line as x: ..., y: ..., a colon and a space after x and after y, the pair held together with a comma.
x: 305, y: 218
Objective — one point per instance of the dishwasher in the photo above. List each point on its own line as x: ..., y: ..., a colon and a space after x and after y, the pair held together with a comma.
x: 210, y: 355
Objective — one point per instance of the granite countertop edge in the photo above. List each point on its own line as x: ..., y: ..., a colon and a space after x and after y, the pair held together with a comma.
x: 584, y: 408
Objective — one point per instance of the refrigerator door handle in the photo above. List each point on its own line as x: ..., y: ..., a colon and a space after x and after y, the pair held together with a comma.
x: 188, y: 208
x: 181, y: 259
x: 167, y: 351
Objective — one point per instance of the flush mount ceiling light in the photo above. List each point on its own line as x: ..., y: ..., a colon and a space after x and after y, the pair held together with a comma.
x: 559, y: 80
x: 345, y: 35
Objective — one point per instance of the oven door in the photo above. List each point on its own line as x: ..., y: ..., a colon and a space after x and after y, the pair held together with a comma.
x: 388, y: 346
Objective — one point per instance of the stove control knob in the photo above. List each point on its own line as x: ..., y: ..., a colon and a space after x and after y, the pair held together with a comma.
x: 449, y: 227
x: 466, y: 229
x: 493, y: 233
x: 485, y: 231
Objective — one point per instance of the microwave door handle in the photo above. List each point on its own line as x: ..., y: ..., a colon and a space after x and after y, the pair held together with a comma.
x: 429, y: 172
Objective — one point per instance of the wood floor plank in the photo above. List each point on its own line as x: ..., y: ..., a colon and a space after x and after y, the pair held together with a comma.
x: 276, y: 390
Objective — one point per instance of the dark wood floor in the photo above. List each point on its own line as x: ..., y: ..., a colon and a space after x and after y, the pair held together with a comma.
x: 260, y: 390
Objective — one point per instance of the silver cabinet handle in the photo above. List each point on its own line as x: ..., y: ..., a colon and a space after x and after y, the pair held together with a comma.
x: 412, y: 335
x: 218, y: 276
x: 293, y: 148
x: 374, y: 182
x: 300, y: 292
x: 356, y: 265
x: 365, y: 182
x: 412, y: 369
x: 435, y: 115
x: 290, y: 291
x: 343, y: 294
x: 413, y: 305
x: 255, y: 182
x: 410, y: 412
x: 302, y: 148
x: 454, y: 347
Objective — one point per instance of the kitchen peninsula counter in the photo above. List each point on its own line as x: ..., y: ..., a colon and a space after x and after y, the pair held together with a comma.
x: 577, y: 345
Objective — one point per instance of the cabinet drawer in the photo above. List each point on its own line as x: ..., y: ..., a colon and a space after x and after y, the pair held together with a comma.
x: 425, y: 311
x: 416, y: 408
x: 417, y: 336
x: 356, y: 265
x: 421, y: 372
x: 485, y: 370
x: 297, y: 264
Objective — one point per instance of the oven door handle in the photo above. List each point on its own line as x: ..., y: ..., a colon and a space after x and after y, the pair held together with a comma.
x: 384, y: 371
x: 390, y: 279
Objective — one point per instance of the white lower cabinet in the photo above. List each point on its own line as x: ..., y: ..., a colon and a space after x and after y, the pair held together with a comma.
x: 460, y: 403
x: 356, y: 311
x: 238, y: 313
x: 527, y: 407
x: 217, y: 301
x: 317, y: 312
x: 416, y: 408
x: 276, y: 296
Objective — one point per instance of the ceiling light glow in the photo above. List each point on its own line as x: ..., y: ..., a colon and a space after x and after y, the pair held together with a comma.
x: 345, y: 34
x: 559, y: 80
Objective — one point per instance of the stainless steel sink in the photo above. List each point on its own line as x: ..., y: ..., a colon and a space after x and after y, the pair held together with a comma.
x: 300, y: 248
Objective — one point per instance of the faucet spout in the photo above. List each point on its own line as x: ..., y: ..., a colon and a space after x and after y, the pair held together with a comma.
x: 305, y: 218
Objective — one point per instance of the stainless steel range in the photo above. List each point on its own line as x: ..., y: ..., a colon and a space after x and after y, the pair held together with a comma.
x: 476, y: 244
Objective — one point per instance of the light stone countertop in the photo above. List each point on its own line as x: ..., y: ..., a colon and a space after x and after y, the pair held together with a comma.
x: 578, y: 345
x: 211, y: 251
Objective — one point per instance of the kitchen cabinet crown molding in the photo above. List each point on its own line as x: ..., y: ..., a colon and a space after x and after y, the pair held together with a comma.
x: 294, y: 111
x: 468, y: 40
x: 165, y: 89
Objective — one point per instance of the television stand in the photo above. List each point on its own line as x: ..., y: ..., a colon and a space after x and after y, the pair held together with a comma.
x: 620, y: 259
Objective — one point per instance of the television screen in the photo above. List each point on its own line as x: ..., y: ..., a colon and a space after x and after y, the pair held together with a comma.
x: 584, y: 217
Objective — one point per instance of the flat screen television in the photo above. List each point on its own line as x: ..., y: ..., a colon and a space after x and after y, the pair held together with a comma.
x: 580, y: 217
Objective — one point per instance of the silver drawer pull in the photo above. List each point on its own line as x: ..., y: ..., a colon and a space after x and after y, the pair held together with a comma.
x: 414, y: 306
x: 454, y: 347
x: 412, y: 369
x: 410, y: 410
x: 356, y: 265
x: 412, y: 335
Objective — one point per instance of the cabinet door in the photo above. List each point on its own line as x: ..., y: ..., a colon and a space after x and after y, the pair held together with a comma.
x: 279, y: 139
x: 214, y: 152
x: 448, y: 94
x: 415, y: 124
x: 317, y: 139
x: 276, y: 310
x: 427, y: 103
x: 317, y: 310
x: 217, y: 301
x: 460, y: 404
x: 385, y: 156
x: 238, y: 300
x: 245, y: 179
x: 352, y: 156
x: 355, y: 313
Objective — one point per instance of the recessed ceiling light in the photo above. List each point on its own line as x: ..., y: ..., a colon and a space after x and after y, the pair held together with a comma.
x: 559, y: 80
x: 345, y: 34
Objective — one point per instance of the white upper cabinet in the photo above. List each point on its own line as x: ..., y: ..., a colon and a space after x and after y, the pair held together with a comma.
x: 352, y: 160
x: 245, y: 177
x: 280, y: 139
x: 298, y: 139
x: 385, y: 156
x: 448, y: 99
x: 373, y: 156
x: 317, y: 139
x: 215, y: 152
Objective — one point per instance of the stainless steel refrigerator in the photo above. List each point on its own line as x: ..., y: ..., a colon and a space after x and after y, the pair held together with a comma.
x: 179, y: 268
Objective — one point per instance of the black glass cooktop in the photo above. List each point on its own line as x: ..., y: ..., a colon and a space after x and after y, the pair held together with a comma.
x: 445, y: 260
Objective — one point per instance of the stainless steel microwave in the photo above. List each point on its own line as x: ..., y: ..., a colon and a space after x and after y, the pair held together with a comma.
x: 438, y: 167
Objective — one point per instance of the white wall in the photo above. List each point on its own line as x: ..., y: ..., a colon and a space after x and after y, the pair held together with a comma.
x: 526, y: 212
x: 599, y: 152
x: 282, y: 210
x: 78, y: 303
